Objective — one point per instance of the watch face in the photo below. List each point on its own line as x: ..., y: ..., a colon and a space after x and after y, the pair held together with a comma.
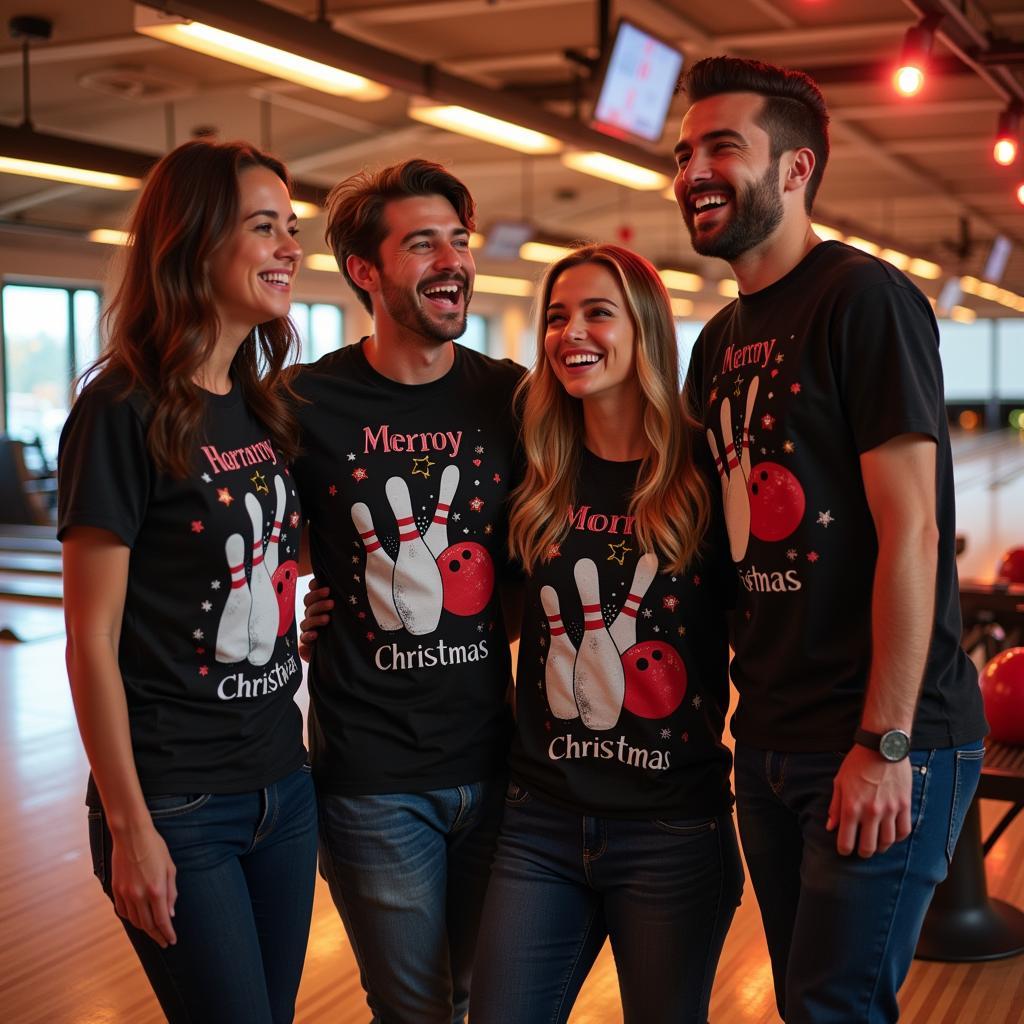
x: 894, y: 745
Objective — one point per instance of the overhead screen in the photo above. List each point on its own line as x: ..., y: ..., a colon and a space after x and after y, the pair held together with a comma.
x: 637, y: 85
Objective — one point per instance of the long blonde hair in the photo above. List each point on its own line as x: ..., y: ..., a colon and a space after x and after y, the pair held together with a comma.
x: 670, y: 504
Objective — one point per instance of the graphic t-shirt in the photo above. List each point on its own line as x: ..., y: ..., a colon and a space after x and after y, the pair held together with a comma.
x: 622, y: 686
x: 208, y: 643
x: 793, y: 384
x: 404, y: 487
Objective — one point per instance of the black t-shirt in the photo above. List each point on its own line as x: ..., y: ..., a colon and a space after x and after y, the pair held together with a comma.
x: 408, y: 683
x: 623, y: 686
x: 208, y: 645
x: 834, y: 359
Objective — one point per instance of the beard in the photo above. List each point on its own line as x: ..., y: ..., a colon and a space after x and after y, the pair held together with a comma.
x: 757, y: 212
x: 403, y: 306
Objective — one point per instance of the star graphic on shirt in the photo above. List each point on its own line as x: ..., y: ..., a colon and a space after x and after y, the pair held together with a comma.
x: 477, y: 504
x: 479, y: 449
x: 206, y: 606
x: 421, y: 466
x: 197, y: 634
x: 795, y: 388
x: 480, y: 629
x: 670, y: 602
x: 351, y: 456
x: 224, y: 496
x: 657, y: 629
x: 618, y: 552
x: 332, y: 490
x: 203, y: 670
x: 206, y: 478
x: 371, y: 635
x: 681, y: 631
x: 355, y: 577
x: 768, y: 421
x: 456, y: 516
x: 353, y: 599
x: 666, y: 734
x: 647, y: 613
x: 780, y: 359
x: 496, y: 478
x: 215, y: 584
x: 791, y: 554
x: 812, y: 556
x: 200, y: 651
x: 259, y: 483
x: 737, y: 389
x: 788, y: 447
x: 825, y: 518
x: 293, y: 520
x: 355, y: 559
x: 713, y: 396
x: 359, y: 474
x: 554, y: 551
x: 696, y: 700
x: 488, y: 530
x: 197, y: 526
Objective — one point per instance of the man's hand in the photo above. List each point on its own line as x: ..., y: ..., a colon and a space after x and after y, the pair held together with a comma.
x: 872, y: 796
x: 318, y: 606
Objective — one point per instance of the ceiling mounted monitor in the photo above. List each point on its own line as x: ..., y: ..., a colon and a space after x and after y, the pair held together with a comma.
x: 637, y: 85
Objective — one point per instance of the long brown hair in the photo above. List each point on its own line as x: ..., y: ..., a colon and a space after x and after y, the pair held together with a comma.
x: 162, y: 322
x: 670, y: 503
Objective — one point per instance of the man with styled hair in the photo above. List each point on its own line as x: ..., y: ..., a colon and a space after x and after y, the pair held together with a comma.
x: 407, y: 460
x: 859, y: 724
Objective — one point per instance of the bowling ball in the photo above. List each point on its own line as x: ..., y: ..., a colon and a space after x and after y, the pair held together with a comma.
x: 284, y: 580
x: 776, y: 501
x: 467, y: 575
x: 1002, y: 686
x: 655, y: 679
x: 1011, y: 566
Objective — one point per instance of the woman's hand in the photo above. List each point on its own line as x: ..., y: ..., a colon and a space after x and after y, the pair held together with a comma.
x: 318, y: 607
x: 142, y: 879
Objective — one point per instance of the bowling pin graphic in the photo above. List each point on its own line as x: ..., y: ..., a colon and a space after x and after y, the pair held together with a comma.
x: 379, y: 572
x: 558, y: 670
x: 233, y: 628
x: 436, y: 537
x: 275, y: 534
x: 265, y: 612
x: 598, y: 680
x: 737, y: 501
x: 416, y: 584
x: 718, y: 462
x: 623, y: 629
x: 751, y: 398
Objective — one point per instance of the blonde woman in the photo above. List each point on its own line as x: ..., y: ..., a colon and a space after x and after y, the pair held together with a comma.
x: 618, y: 816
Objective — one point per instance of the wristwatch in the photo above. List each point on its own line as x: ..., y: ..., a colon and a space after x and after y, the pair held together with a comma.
x: 893, y: 745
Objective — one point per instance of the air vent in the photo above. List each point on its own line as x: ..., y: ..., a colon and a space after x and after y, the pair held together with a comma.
x: 136, y: 83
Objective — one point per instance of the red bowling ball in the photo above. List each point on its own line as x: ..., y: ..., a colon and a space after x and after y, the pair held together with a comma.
x: 1011, y: 566
x: 467, y: 575
x: 1002, y: 686
x: 284, y: 580
x: 655, y: 679
x: 776, y: 501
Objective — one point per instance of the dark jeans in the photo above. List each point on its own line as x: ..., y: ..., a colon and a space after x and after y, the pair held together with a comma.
x: 408, y: 872
x: 664, y: 892
x: 246, y: 865
x: 842, y: 930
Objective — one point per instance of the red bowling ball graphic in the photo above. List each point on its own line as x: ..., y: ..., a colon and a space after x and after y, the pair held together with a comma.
x: 467, y: 575
x: 777, y: 501
x: 655, y: 679
x: 284, y: 579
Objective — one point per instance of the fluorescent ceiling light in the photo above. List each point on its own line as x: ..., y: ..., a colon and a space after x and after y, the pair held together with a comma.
x: 871, y: 248
x: 464, y: 121
x: 502, y: 285
x: 681, y: 307
x: 925, y: 268
x: 600, y: 165
x: 542, y: 252
x: 304, y: 210
x: 476, y: 240
x: 900, y: 260
x: 963, y: 315
x: 681, y: 281
x: 728, y: 288
x: 322, y: 261
x: 823, y: 231
x: 268, y: 60
x: 71, y: 175
x: 108, y: 236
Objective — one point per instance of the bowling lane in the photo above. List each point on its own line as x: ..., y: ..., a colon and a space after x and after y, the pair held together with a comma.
x: 988, y: 471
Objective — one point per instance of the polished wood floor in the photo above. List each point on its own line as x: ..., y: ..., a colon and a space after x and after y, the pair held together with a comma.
x: 64, y: 958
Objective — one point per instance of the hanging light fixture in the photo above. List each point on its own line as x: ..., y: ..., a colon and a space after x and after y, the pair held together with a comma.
x: 1007, y: 144
x: 917, y: 48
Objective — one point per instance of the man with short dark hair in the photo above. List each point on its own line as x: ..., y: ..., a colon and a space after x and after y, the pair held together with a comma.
x: 859, y: 725
x: 407, y: 460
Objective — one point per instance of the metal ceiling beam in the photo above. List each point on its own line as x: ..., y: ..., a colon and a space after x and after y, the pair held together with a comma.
x: 276, y: 27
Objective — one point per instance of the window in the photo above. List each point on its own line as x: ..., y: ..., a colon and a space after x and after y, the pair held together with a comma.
x: 476, y: 336
x: 966, y: 353
x: 686, y: 337
x: 321, y: 328
x: 50, y: 334
x: 1010, y: 368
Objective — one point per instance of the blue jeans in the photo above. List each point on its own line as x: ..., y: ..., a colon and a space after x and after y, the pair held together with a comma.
x: 842, y: 930
x: 246, y: 865
x: 664, y: 892
x: 408, y: 873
